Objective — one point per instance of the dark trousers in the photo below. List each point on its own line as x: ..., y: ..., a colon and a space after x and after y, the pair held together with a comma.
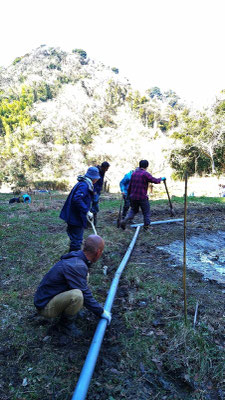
x: 75, y: 234
x: 126, y: 205
x: 95, y: 206
x: 145, y: 208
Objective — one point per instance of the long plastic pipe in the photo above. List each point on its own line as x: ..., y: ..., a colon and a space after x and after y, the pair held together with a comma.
x: 166, y: 221
x: 89, y: 365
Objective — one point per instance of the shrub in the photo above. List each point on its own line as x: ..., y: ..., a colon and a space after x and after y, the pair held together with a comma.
x: 63, y: 79
x: 54, y: 66
x: 51, y: 185
x: 17, y: 59
x: 163, y: 125
x: 115, y: 70
x: 81, y: 52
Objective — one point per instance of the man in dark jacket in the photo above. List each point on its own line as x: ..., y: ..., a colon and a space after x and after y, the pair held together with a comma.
x: 64, y: 289
x: 137, y: 191
x: 77, y: 206
x: 98, y: 188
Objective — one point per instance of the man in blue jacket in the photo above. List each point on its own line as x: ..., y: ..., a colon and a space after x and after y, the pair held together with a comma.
x: 77, y: 206
x: 64, y: 289
x: 98, y: 188
x: 124, y: 184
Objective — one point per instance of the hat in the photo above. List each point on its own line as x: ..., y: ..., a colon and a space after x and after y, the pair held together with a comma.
x: 92, y: 173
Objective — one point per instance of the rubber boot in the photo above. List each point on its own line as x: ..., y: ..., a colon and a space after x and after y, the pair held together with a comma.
x: 124, y: 223
x: 67, y: 326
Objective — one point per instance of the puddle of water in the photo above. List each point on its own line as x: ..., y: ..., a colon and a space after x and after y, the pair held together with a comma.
x: 204, y: 253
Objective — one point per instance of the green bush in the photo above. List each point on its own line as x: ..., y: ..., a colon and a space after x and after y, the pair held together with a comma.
x: 44, y: 92
x: 51, y: 185
x: 17, y: 59
x: 22, y: 78
x: 63, y: 79
x: 163, y: 125
x: 81, y: 52
x: 151, y: 119
x: 54, y: 66
x: 20, y: 182
x: 115, y: 70
x: 155, y: 92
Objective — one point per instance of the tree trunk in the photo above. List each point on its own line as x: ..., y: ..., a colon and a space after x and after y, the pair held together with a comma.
x: 196, y: 165
x: 213, y: 165
x: 212, y: 162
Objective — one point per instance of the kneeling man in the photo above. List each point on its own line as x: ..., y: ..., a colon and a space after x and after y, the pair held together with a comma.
x: 64, y: 290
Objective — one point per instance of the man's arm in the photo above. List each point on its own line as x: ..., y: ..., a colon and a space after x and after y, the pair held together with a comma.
x: 78, y: 197
x: 98, y: 185
x: 151, y: 178
x: 129, y: 186
x: 123, y: 184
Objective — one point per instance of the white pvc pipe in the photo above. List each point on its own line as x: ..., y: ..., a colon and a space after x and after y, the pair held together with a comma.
x: 166, y: 221
x: 89, y: 365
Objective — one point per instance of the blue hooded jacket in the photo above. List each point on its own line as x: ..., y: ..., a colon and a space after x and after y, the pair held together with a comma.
x: 78, y: 203
x: 124, y: 183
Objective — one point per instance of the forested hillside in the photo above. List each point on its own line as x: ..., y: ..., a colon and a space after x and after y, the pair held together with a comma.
x: 61, y: 112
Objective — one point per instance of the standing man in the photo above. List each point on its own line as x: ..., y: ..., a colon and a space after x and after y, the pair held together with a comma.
x: 77, y: 206
x: 64, y: 289
x: 137, y: 191
x: 97, y: 189
x: 124, y: 184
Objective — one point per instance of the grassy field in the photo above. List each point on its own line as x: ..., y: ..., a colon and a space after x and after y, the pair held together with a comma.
x: 148, y: 352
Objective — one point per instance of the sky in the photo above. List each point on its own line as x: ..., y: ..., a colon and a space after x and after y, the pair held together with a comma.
x: 172, y: 44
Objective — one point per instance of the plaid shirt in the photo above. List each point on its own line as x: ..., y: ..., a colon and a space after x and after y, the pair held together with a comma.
x: 139, y: 184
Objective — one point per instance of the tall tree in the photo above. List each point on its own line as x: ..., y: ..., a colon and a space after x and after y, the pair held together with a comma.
x: 203, y: 132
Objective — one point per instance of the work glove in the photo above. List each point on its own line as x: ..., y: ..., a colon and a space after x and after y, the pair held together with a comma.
x: 90, y: 215
x: 107, y: 315
x: 163, y: 179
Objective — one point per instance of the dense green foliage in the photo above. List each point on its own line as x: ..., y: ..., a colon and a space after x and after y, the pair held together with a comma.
x: 81, y: 52
x: 14, y: 135
x: 19, y: 153
x: 40, y: 131
x: 17, y: 59
x: 115, y: 70
x: 14, y: 111
x: 170, y: 96
x: 202, y: 139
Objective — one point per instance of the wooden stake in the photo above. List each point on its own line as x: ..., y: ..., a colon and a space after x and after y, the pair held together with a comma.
x: 184, y: 257
x: 120, y: 214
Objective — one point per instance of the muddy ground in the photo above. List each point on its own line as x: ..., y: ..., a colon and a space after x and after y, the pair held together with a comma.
x: 159, y: 266
x: 39, y: 363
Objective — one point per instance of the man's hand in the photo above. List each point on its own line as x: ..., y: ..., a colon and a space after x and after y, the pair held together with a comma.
x: 107, y: 315
x: 90, y: 215
x: 163, y: 179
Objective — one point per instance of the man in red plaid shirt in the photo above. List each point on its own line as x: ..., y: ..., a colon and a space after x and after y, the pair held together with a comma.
x: 137, y: 191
